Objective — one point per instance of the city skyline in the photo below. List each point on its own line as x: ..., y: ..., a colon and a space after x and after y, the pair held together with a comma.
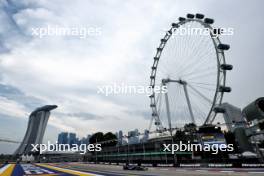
x: 67, y: 70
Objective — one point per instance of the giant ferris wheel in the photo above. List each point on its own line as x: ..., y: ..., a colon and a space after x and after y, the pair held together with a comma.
x: 190, y: 63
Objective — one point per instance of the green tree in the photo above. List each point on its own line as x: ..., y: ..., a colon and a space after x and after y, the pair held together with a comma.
x: 180, y: 136
x: 109, y: 139
x: 190, y: 127
x: 96, y: 138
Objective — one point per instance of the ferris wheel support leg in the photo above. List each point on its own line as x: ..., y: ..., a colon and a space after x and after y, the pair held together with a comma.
x: 169, y: 122
x: 158, y: 112
x: 150, y: 124
x: 188, y: 102
x: 168, y: 112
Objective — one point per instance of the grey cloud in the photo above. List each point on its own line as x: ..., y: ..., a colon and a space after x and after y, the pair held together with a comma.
x: 10, y: 32
x: 13, y: 93
x: 3, y: 48
x: 140, y: 113
x: 80, y: 115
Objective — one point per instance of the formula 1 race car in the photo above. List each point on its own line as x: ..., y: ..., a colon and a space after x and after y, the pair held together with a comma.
x: 134, y: 167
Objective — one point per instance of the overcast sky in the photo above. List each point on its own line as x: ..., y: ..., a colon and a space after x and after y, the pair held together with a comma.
x: 66, y: 70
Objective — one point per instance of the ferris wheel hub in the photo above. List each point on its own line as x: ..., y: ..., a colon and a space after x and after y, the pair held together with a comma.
x: 180, y: 81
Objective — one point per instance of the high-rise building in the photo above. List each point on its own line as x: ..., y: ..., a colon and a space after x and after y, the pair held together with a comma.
x: 119, y: 136
x: 37, y: 123
x: 63, y: 138
x: 83, y: 140
x: 133, y: 137
x: 88, y: 138
x: 72, y: 139
x: 146, y: 136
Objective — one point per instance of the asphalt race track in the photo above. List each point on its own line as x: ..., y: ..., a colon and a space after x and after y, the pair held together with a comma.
x: 67, y: 169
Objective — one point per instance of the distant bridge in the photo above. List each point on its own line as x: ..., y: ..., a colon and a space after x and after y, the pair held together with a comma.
x: 9, y: 141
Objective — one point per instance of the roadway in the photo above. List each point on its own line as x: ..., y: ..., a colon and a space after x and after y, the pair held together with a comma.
x: 115, y: 170
x: 68, y: 169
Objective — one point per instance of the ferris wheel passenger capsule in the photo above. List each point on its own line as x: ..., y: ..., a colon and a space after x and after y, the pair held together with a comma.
x: 163, y: 40
x: 152, y: 105
x: 191, y: 16
x: 157, y: 123
x: 224, y: 89
x: 199, y: 16
x: 175, y: 25
x: 159, y: 49
x: 181, y: 19
x: 223, y: 46
x: 209, y: 20
x: 226, y: 67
